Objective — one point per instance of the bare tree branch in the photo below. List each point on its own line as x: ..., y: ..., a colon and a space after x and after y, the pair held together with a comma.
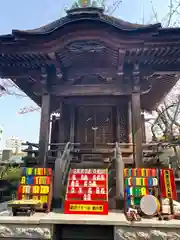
x: 154, y: 11
x: 170, y: 12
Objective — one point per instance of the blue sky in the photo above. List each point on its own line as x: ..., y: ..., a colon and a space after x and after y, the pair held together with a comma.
x: 22, y: 14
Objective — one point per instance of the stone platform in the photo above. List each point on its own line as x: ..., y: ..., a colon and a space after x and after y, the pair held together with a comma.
x: 42, y: 226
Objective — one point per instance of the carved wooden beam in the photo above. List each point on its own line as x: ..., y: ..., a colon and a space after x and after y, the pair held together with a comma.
x: 14, y: 72
x: 90, y: 90
x: 105, y: 100
x: 143, y: 58
x: 150, y: 69
x: 161, y: 69
x: 82, y: 71
x: 36, y: 61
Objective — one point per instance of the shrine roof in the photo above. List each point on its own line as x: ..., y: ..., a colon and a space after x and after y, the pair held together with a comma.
x: 118, y: 23
x: 114, y: 44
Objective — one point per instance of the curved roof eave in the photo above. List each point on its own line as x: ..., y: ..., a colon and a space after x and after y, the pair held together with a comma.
x: 62, y: 22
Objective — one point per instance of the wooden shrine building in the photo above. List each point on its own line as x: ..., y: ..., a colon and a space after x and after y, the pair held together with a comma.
x: 99, y: 72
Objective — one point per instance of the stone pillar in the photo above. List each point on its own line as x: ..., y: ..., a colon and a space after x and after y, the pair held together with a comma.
x: 44, y: 129
x: 119, y: 164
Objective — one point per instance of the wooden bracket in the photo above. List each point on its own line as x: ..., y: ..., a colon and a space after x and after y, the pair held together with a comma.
x: 136, y: 78
x: 43, y: 80
x: 57, y: 64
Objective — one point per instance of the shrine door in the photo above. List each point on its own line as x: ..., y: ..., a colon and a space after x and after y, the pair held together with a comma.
x: 94, y: 125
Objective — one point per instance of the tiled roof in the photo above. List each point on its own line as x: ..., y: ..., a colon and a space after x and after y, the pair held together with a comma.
x: 118, y: 23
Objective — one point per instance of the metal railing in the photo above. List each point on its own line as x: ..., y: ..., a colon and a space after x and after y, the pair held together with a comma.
x: 66, y: 160
x: 62, y: 166
x: 60, y: 147
x: 30, y: 150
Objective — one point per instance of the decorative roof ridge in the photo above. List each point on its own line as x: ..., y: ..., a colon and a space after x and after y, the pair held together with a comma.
x: 82, y: 4
x: 38, y: 29
x: 118, y: 23
x: 135, y: 26
x: 85, y: 10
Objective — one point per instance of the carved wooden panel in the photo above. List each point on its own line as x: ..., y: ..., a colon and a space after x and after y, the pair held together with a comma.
x: 86, y: 46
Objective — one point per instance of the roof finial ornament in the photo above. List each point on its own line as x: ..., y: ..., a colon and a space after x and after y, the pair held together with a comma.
x: 86, y: 4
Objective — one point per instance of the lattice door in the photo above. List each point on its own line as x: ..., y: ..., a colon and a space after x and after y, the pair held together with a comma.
x: 85, y: 124
x: 123, y: 124
x: 103, y: 121
x: 94, y: 125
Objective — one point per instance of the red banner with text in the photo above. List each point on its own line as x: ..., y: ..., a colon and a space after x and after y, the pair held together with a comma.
x: 87, y: 192
x: 168, y: 185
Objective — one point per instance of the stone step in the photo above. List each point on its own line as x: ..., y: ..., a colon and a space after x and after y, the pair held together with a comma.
x: 90, y: 164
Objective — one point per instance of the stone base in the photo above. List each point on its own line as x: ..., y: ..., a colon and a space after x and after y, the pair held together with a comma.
x: 16, y: 231
x: 43, y: 226
x: 134, y: 233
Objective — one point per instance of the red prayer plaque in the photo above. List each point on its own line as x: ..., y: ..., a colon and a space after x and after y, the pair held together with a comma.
x: 87, y: 192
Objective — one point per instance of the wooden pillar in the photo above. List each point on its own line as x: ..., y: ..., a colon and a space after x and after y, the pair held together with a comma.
x: 58, y: 169
x: 61, y: 124
x: 117, y: 124
x: 44, y: 129
x: 53, y: 129
x: 54, y: 134
x: 130, y: 122
x: 143, y: 128
x: 136, y: 118
x: 66, y: 122
x: 72, y: 124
